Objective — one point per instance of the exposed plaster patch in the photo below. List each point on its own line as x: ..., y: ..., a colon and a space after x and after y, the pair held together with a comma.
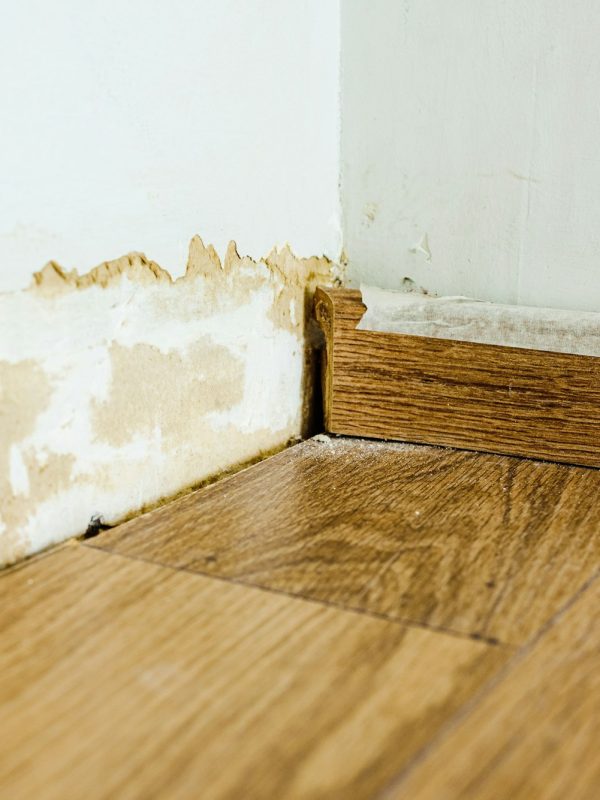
x: 153, y: 392
x: 24, y: 391
x: 122, y: 386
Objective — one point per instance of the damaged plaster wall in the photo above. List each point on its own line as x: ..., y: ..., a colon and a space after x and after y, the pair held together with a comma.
x: 129, y: 126
x: 123, y: 386
x: 470, y: 159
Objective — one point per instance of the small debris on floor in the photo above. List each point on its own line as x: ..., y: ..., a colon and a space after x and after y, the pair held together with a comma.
x: 95, y: 526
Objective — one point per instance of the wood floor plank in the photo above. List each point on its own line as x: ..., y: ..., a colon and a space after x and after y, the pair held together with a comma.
x: 460, y: 394
x: 482, y: 545
x: 123, y: 679
x: 535, y: 736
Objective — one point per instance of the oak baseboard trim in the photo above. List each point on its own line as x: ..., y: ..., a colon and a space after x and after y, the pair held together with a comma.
x: 515, y: 401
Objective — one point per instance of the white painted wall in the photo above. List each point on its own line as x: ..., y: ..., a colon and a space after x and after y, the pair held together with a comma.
x: 135, y: 125
x: 471, y: 147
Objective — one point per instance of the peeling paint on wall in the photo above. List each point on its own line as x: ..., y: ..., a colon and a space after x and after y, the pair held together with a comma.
x: 123, y: 386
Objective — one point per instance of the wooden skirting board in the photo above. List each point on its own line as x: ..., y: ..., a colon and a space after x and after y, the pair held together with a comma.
x: 460, y: 394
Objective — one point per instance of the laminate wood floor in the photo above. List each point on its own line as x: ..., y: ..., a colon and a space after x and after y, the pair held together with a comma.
x: 347, y: 619
x: 481, y: 545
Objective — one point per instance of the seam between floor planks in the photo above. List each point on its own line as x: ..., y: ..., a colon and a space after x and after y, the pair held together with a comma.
x: 462, y: 713
x: 472, y: 703
x: 187, y: 593
x: 472, y: 535
x: 477, y: 698
x: 519, y: 652
x: 408, y: 623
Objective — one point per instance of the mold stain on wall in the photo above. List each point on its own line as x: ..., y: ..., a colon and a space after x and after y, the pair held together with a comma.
x: 121, y: 387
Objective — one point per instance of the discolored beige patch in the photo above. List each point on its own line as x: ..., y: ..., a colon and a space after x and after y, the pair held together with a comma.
x: 297, y: 281
x: 46, y: 480
x: 24, y: 394
x: 152, y: 390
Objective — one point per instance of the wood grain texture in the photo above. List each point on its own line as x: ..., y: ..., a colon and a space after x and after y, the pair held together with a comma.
x: 482, y: 545
x: 122, y: 679
x: 481, y: 397
x: 535, y: 735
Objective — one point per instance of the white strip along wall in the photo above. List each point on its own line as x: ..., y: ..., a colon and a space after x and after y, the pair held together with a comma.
x: 466, y: 320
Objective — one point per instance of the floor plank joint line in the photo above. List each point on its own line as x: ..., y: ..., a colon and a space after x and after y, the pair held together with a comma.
x: 471, y: 705
x: 491, y: 642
